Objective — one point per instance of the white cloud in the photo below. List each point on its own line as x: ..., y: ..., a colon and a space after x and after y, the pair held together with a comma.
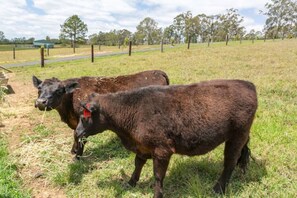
x: 104, y: 15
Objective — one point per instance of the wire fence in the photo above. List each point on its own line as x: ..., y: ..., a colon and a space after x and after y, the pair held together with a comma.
x: 12, y: 54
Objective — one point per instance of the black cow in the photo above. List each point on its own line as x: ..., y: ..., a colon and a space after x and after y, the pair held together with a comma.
x: 65, y: 97
x: 158, y: 121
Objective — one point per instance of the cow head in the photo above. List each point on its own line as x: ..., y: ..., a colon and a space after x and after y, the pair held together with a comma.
x: 88, y: 121
x: 51, y: 92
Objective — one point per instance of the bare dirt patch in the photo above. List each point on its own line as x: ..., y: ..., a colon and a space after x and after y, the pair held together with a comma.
x: 19, y: 119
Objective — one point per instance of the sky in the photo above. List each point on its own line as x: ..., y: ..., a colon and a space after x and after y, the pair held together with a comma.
x: 41, y: 18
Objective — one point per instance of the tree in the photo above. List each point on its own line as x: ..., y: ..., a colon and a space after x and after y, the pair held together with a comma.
x: 209, y: 27
x: 230, y: 23
x: 148, y: 31
x: 122, y: 36
x: 168, y: 35
x: 93, y: 39
x: 74, y: 29
x: 30, y: 40
x: 251, y: 35
x: 2, y: 37
x: 179, y: 27
x: 281, y: 19
x: 187, y: 26
x: 101, y: 39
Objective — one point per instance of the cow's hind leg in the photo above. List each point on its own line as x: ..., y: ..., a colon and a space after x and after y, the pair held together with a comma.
x: 160, y: 166
x: 232, y: 152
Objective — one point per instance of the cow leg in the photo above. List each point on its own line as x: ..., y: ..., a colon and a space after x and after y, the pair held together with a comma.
x: 160, y: 168
x: 231, y: 155
x: 78, y: 146
x: 75, y: 144
x: 139, y: 163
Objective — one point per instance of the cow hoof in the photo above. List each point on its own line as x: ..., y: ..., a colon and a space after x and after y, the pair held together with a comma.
x: 73, y: 151
x: 218, y: 189
x: 76, y: 158
x: 132, y: 183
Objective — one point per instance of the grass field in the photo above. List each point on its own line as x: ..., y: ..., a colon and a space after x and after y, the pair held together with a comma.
x: 10, y: 186
x: 42, y: 152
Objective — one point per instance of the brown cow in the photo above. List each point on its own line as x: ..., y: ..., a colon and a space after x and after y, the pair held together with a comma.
x: 158, y: 121
x: 65, y: 96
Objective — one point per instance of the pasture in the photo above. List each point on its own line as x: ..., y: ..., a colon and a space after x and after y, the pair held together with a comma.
x: 39, y: 143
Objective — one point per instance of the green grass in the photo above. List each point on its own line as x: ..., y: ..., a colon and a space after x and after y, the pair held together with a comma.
x: 105, y: 170
x: 10, y: 186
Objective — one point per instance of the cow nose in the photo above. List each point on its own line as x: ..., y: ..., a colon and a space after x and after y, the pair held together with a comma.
x: 41, y: 102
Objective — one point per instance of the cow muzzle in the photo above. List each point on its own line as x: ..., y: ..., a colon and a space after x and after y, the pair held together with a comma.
x: 42, y: 104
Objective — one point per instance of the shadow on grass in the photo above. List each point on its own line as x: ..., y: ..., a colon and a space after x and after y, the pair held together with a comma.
x: 189, y: 178
x: 112, y: 149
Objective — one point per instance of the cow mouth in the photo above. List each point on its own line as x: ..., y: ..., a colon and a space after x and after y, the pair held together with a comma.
x: 43, y: 108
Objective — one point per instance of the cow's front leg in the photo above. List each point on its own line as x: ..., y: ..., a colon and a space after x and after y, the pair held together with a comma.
x: 139, y: 163
x: 78, y: 146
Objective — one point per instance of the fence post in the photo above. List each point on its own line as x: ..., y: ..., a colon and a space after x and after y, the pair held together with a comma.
x: 13, y: 52
x: 162, y: 50
x: 42, y: 56
x: 92, y: 53
x: 130, y: 47
x: 47, y: 51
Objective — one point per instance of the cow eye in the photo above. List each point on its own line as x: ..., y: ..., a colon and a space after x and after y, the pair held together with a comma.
x: 59, y: 92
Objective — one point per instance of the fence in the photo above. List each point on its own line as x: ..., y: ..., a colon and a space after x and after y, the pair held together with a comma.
x: 85, y: 51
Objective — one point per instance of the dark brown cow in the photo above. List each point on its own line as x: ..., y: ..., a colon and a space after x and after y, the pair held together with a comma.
x: 65, y: 96
x: 156, y: 122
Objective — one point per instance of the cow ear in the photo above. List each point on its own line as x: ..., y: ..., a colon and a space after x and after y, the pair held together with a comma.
x: 36, y: 81
x: 70, y: 87
x: 91, y: 107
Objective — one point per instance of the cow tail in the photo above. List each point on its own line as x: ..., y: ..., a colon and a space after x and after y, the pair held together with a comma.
x: 244, y: 158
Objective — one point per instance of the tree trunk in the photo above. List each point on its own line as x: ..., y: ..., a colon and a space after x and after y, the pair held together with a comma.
x: 189, y: 41
x: 227, y: 39
x: 208, y: 42
x: 73, y: 43
x: 283, y: 35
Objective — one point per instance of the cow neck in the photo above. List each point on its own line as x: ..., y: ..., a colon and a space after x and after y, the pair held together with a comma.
x: 66, y: 111
x: 119, y: 117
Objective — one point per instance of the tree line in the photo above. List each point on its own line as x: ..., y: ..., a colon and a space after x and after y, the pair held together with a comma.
x: 281, y: 22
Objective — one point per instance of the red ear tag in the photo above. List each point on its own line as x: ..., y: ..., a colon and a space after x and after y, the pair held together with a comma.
x: 87, y: 113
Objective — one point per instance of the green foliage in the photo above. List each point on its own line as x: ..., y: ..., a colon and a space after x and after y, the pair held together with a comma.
x: 74, y: 29
x: 10, y: 186
x: 281, y: 18
x: 3, y: 92
x: 148, y: 32
x: 2, y: 36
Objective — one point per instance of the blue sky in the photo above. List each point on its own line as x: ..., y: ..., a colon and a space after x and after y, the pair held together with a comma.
x: 41, y: 18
